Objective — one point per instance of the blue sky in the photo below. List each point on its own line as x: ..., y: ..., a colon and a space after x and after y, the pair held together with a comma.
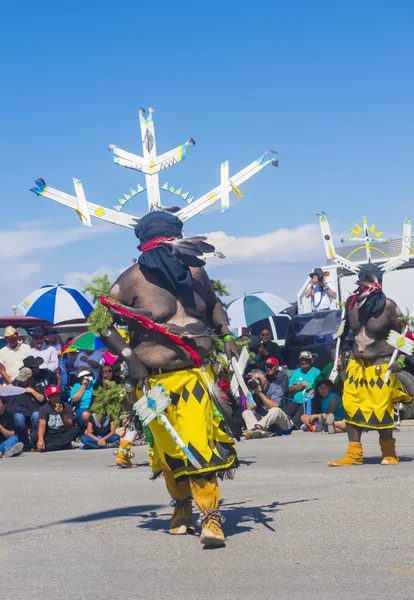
x: 328, y: 85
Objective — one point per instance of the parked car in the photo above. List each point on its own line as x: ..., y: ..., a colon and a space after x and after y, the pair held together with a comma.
x: 320, y: 344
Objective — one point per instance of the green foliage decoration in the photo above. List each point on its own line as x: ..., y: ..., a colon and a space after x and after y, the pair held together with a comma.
x: 219, y: 287
x: 100, y: 319
x: 109, y: 400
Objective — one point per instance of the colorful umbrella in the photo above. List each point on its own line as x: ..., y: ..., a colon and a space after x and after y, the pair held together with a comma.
x: 84, y: 341
x: 56, y: 303
x: 251, y: 308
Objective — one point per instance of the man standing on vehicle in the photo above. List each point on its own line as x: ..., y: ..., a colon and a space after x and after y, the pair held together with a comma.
x: 320, y: 291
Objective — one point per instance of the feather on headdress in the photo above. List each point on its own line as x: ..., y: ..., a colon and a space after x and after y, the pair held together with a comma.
x: 168, y: 255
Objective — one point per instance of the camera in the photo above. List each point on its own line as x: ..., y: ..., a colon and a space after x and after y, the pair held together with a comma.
x: 254, y: 383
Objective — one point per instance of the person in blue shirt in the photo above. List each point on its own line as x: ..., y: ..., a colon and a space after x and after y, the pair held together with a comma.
x: 82, y: 396
x: 327, y: 412
x: 300, y: 387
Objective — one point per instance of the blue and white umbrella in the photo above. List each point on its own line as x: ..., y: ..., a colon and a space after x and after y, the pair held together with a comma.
x: 56, y: 303
x: 251, y: 308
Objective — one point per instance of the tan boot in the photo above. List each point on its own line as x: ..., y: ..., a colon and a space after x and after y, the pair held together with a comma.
x: 182, y: 518
x: 389, y: 456
x: 124, y: 455
x: 206, y: 496
x: 211, y: 532
x: 353, y: 456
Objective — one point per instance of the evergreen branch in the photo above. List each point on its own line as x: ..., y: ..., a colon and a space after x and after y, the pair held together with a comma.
x: 108, y: 401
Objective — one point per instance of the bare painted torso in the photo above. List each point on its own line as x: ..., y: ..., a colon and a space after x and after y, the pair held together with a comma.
x: 154, y: 350
x: 371, y: 334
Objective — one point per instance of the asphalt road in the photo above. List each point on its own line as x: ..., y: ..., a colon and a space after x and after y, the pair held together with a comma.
x: 74, y: 526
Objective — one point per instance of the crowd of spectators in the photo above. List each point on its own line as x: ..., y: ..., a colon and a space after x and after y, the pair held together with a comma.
x: 46, y: 397
x: 304, y: 399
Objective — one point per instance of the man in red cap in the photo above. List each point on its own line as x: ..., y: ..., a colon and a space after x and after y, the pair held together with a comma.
x: 275, y: 375
x: 57, y: 428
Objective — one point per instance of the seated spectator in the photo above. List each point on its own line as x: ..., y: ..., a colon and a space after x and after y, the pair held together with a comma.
x: 100, y: 433
x: 69, y: 358
x: 107, y: 373
x: 89, y: 359
x: 327, y: 370
x: 254, y: 341
x: 25, y: 407
x: 42, y: 350
x: 9, y: 442
x: 55, y: 341
x: 274, y: 374
x: 268, y: 348
x: 268, y: 398
x: 57, y: 429
x: 111, y: 359
x: 12, y: 355
x: 300, y: 386
x: 327, y: 410
x: 5, y: 379
x: 42, y: 377
x: 82, y: 396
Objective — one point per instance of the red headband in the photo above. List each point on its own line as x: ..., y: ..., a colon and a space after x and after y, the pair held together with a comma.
x: 155, y: 243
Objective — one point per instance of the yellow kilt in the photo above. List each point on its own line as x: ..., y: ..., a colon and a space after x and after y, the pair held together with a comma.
x: 368, y: 401
x: 191, y: 414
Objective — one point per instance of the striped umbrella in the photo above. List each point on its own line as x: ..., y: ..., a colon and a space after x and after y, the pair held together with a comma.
x: 84, y: 341
x: 56, y: 303
x: 251, y: 308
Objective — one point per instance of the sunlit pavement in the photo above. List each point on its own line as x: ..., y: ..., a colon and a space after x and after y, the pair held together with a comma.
x: 75, y: 526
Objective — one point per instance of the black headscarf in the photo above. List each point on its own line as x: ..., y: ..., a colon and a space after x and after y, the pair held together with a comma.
x: 375, y: 302
x: 172, y: 274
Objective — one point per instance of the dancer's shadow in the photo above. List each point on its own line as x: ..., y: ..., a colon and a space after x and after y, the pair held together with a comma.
x: 239, y: 518
x: 246, y: 462
x: 144, y: 510
x: 376, y: 460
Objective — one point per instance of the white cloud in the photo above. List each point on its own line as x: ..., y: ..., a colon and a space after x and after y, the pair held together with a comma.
x: 80, y: 279
x: 18, y: 242
x: 282, y: 245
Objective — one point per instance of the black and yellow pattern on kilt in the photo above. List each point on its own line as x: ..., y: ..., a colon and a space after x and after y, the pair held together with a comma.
x: 369, y: 401
x: 191, y: 414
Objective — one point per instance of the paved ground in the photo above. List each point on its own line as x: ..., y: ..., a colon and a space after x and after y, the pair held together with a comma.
x: 74, y: 526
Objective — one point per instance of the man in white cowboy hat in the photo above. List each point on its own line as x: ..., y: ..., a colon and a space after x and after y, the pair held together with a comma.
x: 13, y: 354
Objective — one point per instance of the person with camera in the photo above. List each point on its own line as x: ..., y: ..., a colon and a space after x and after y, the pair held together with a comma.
x: 268, y: 414
x: 82, y: 396
x: 320, y: 291
x: 57, y: 428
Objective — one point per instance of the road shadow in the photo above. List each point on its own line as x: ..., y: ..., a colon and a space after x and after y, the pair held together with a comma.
x: 239, y: 518
x: 246, y: 461
x: 376, y: 460
x: 144, y: 510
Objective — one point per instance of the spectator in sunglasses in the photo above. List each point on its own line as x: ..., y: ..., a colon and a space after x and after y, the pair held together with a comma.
x: 275, y: 375
x: 268, y: 348
x: 107, y: 373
